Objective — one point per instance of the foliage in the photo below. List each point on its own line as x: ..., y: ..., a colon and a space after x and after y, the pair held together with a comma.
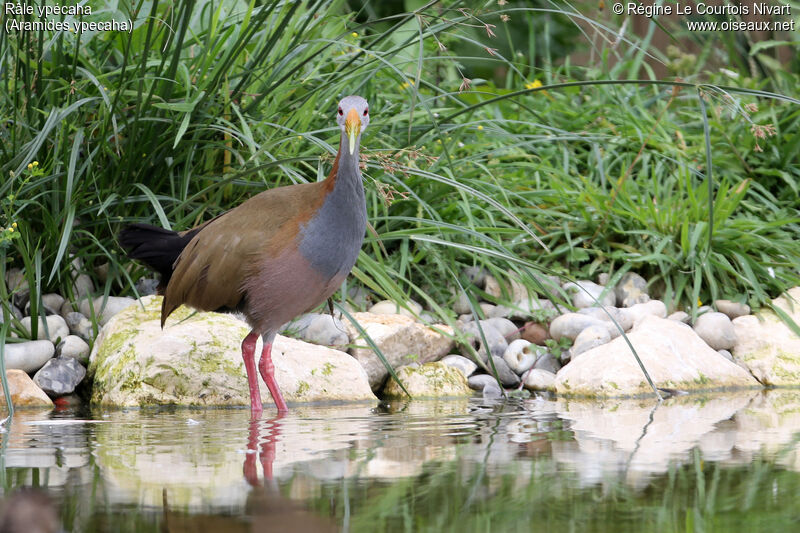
x: 205, y: 103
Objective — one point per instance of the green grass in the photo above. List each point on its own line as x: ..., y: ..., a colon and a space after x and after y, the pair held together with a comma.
x: 604, y: 168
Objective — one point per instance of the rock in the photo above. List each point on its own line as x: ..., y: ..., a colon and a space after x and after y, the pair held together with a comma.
x: 538, y: 379
x: 101, y: 271
x: 14, y: 311
x: 79, y: 325
x: 519, y: 357
x: 589, y: 338
x: 28, y: 356
x: 587, y: 293
x: 489, y: 310
x: 680, y: 316
x: 716, y: 329
x: 430, y: 380
x: 732, y: 309
x: 318, y: 328
x: 82, y: 287
x: 400, y: 339
x: 726, y: 354
x: 569, y: 325
x: 769, y: 349
x: 17, y: 287
x: 492, y: 391
x: 547, y: 361
x: 24, y: 392
x: 492, y: 287
x: 104, y: 312
x: 620, y: 316
x: 75, y: 347
x: 51, y: 302
x: 388, y: 307
x: 196, y: 360
x: 673, y: 354
x: 60, y: 376
x: 147, y: 286
x: 631, y: 290
x: 507, y: 376
x: 476, y: 275
x: 497, y: 344
x: 461, y: 305
x: 466, y: 366
x: 359, y: 296
x: 504, y: 326
x: 603, y: 278
x: 535, y: 333
x: 479, y: 381
x: 638, y: 312
x: 56, y: 328
x: 549, y: 285
x: 540, y: 309
x: 66, y: 308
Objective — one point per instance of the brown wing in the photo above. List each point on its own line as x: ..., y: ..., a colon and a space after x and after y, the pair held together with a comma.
x: 210, y: 271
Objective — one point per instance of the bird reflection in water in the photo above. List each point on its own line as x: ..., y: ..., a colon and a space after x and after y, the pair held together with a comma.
x: 267, y: 509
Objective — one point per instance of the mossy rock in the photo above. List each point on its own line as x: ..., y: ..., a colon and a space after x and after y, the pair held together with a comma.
x: 431, y: 380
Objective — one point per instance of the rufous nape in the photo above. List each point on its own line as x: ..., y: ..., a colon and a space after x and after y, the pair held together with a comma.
x: 281, y: 253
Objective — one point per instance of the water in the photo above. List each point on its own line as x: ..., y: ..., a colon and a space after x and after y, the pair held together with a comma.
x: 694, y: 463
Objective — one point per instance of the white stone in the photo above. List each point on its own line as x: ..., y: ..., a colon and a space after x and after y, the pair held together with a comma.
x: 400, y: 339
x: 538, y: 379
x: 75, y: 347
x: 672, y: 353
x: 732, y: 309
x: 28, y: 356
x: 466, y: 366
x: 504, y: 326
x: 569, y: 325
x: 639, y: 312
x: 197, y: 361
x: 519, y: 356
x: 56, y: 328
x: 716, y: 329
x: 769, y: 349
x: 388, y: 307
x: 587, y: 293
x: 104, y: 312
x: 589, y: 338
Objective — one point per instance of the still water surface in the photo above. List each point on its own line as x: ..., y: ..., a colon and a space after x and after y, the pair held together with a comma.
x: 694, y: 463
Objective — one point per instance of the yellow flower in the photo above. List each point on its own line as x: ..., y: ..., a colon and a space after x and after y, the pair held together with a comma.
x: 533, y: 85
x: 14, y: 225
x: 699, y: 303
x: 11, y: 230
x: 480, y: 127
x: 30, y: 166
x: 407, y: 84
x: 299, y: 136
x: 354, y: 35
x: 35, y: 163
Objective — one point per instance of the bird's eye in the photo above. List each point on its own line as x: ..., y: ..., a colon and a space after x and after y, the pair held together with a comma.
x: 341, y: 112
x: 366, y: 112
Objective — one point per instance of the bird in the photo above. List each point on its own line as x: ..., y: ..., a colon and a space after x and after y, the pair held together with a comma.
x: 277, y: 255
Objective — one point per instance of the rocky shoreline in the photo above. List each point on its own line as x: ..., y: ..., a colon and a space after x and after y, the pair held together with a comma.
x: 531, y: 345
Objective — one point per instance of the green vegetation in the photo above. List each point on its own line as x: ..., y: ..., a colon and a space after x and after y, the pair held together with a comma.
x: 540, y: 164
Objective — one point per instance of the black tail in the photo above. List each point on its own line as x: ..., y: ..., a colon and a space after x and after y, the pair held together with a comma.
x: 156, y: 247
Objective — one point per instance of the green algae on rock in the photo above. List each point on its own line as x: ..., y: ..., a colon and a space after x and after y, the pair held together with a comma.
x: 196, y: 360
x: 431, y: 380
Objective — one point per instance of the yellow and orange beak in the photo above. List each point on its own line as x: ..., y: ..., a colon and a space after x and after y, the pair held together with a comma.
x: 352, y: 127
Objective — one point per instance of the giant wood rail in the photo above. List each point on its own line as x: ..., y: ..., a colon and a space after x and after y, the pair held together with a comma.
x: 279, y: 254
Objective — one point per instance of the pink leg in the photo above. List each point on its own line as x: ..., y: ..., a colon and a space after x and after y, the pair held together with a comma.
x: 248, y: 353
x: 268, y: 373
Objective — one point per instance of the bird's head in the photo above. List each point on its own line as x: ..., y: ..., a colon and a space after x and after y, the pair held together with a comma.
x: 353, y: 118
